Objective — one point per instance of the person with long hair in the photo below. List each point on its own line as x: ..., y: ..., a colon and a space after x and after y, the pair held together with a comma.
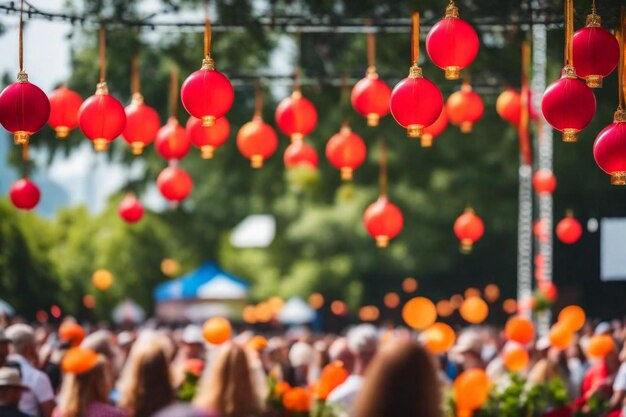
x: 401, y: 381
x: 227, y: 390
x: 145, y: 386
x: 85, y: 388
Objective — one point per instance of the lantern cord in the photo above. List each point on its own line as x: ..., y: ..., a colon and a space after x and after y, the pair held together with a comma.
x: 134, y: 74
x: 174, y: 92
x: 25, y: 152
x: 207, y: 30
x: 21, y: 38
x: 593, y: 7
x: 415, y: 38
x: 102, y: 52
x: 382, y: 179
x: 620, y: 40
x: 569, y: 32
x: 371, y: 48
x: 296, y: 79
x: 258, y: 99
x: 522, y: 131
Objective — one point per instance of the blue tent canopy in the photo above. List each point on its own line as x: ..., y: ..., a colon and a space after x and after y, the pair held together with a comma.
x: 208, y: 281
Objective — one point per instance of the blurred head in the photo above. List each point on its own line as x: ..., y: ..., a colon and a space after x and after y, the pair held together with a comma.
x: 339, y: 351
x: 102, y: 342
x: 145, y: 385
x: 301, y: 355
x: 4, y: 348
x: 362, y: 343
x: 192, y: 345
x: 22, y: 338
x: 468, y: 350
x: 78, y: 391
x: 11, y: 386
x: 400, y: 381
x: 227, y: 389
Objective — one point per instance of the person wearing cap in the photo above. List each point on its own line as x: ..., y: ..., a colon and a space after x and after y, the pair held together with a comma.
x: 362, y: 343
x: 191, y: 347
x: 11, y: 389
x: 468, y: 350
x: 39, y: 399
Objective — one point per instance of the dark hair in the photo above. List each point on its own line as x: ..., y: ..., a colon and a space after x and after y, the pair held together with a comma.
x: 401, y: 381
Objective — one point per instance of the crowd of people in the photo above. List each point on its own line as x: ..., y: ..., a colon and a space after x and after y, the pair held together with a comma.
x: 367, y: 371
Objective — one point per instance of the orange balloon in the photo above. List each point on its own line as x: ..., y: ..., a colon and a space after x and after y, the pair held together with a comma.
x: 79, y: 360
x: 600, y: 346
x: 573, y: 316
x: 519, y: 329
x: 439, y: 338
x: 561, y: 335
x: 515, y: 357
x: 217, y: 330
x: 419, y: 313
x: 71, y: 332
x: 474, y: 310
x: 471, y: 389
x: 102, y: 279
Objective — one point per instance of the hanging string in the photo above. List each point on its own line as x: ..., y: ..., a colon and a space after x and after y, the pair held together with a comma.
x: 21, y: 38
x: 25, y: 152
x: 522, y: 130
x: 298, y: 71
x: 207, y: 30
x: 258, y: 99
x: 102, y: 52
x: 415, y: 37
x: 371, y: 48
x: 593, y: 7
x: 134, y: 75
x: 382, y: 177
x: 569, y: 31
x: 174, y: 92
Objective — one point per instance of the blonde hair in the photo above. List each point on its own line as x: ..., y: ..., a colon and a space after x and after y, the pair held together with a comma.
x: 80, y: 391
x: 146, y: 385
x: 228, y: 387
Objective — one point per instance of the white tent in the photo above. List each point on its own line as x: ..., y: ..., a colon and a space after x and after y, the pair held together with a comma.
x: 128, y: 311
x: 296, y: 311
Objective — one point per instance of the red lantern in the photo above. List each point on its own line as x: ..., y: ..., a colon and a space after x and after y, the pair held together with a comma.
x: 296, y: 116
x: 452, y: 43
x: 464, y: 108
x: 174, y: 183
x: 299, y: 153
x: 548, y: 290
x: 101, y: 118
x: 142, y: 124
x: 172, y: 141
x: 208, y: 139
x: 568, y: 105
x: 431, y: 132
x: 569, y: 229
x: 383, y: 221
x: 257, y: 141
x: 346, y: 151
x: 596, y: 51
x: 544, y: 181
x: 64, y: 105
x: 207, y: 94
x: 24, y: 194
x: 416, y: 103
x: 609, y: 149
x: 24, y: 109
x: 130, y: 209
x: 370, y: 97
x: 509, y: 106
x: 468, y: 228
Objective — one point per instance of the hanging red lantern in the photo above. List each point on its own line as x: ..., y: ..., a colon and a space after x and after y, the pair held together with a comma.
x: 64, y: 105
x: 299, y: 153
x: 208, y: 139
x: 346, y: 151
x: 207, y: 94
x: 569, y: 229
x: 383, y: 221
x: 172, y: 141
x: 596, y: 51
x: 609, y: 149
x: 24, y: 109
x: 544, y: 181
x: 568, y: 104
x: 296, y: 116
x: 257, y: 141
x: 415, y: 101
x: 130, y: 209
x: 464, y: 108
x: 468, y: 228
x: 24, y: 194
x: 142, y: 124
x: 431, y: 132
x: 174, y: 183
x: 452, y: 43
x: 370, y: 97
x: 509, y: 106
